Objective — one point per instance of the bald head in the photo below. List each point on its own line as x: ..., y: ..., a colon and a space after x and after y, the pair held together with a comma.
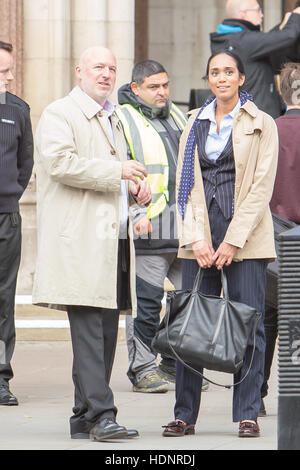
x: 93, y: 53
x: 234, y: 8
x: 96, y: 73
x: 248, y: 10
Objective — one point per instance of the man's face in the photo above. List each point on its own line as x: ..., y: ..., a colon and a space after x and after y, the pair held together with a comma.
x: 154, y: 90
x: 6, y: 65
x: 97, y: 74
x: 253, y: 12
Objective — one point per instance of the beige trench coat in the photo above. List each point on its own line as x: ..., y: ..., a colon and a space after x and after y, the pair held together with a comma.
x: 78, y: 173
x: 255, y: 147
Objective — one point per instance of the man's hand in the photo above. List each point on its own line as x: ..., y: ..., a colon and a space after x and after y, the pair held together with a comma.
x: 203, y: 252
x: 224, y: 255
x: 131, y: 170
x: 141, y: 192
x: 143, y: 226
x: 285, y: 19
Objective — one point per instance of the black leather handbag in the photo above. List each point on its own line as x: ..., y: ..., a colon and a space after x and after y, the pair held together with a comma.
x: 207, y: 331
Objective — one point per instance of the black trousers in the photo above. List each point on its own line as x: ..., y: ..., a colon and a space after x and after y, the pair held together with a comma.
x: 246, y: 283
x: 94, y: 337
x: 10, y: 254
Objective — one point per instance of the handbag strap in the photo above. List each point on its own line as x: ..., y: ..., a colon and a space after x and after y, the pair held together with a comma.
x: 197, y: 280
x: 199, y: 277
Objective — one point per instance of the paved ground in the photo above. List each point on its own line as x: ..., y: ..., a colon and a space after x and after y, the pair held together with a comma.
x: 44, y: 388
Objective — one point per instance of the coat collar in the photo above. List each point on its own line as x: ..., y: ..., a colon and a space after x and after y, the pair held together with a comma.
x: 87, y: 105
x: 250, y: 108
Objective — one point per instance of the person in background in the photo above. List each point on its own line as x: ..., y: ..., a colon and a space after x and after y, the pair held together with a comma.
x: 152, y: 126
x: 286, y: 199
x: 16, y: 162
x: 260, y: 52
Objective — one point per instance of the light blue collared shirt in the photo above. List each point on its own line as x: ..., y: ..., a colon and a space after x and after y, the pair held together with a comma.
x: 215, y: 142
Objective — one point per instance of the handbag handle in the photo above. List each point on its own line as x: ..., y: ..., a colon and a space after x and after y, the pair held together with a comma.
x: 225, y: 292
x: 199, y: 277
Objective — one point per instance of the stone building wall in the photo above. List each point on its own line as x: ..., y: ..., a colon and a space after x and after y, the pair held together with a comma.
x: 49, y: 35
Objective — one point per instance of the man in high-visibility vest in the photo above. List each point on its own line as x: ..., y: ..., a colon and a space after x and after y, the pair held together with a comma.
x: 152, y: 125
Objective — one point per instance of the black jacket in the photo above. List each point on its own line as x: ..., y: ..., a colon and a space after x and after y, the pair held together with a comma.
x: 16, y: 151
x: 164, y: 235
x: 257, y: 51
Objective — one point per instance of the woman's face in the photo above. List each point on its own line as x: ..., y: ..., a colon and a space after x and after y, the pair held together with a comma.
x: 224, y: 78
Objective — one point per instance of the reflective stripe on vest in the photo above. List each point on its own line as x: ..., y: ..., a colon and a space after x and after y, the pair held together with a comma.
x: 147, y: 146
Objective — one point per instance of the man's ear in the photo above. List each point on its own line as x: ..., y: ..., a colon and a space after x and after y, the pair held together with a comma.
x: 134, y: 87
x: 78, y: 71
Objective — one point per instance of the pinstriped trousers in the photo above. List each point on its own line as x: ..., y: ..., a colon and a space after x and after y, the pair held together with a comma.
x: 246, y: 283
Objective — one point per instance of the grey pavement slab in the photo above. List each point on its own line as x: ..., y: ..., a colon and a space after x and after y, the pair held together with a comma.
x: 44, y: 388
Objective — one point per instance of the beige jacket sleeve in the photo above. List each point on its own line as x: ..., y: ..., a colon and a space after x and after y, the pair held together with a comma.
x: 250, y: 211
x: 57, y: 152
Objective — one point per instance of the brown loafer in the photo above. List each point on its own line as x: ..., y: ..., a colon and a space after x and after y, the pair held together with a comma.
x: 178, y: 428
x: 248, y: 429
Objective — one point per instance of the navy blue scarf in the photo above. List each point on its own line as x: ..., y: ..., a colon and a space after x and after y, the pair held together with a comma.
x: 187, y: 180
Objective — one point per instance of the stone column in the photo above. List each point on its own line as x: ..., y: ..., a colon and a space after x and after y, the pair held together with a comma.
x: 89, y: 27
x: 11, y: 30
x: 47, y: 51
x: 121, y: 26
x: 272, y: 13
x: 105, y: 23
x: 179, y: 39
x: 47, y: 46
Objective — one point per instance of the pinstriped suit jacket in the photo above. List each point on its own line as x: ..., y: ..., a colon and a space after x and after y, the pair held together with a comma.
x: 255, y: 149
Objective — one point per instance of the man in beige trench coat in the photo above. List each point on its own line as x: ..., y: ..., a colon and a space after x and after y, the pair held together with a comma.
x: 85, y: 261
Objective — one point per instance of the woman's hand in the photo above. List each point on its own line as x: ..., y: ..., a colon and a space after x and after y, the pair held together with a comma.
x: 203, y: 252
x: 224, y: 255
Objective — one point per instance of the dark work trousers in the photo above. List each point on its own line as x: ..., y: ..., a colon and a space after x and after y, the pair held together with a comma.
x: 151, y: 272
x: 10, y: 254
x: 246, y: 284
x: 94, y: 337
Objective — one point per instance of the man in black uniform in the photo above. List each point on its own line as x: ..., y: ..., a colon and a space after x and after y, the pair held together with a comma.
x: 16, y: 162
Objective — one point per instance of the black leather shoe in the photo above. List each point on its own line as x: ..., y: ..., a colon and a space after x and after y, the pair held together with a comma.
x: 6, y: 397
x: 107, y: 428
x: 131, y: 433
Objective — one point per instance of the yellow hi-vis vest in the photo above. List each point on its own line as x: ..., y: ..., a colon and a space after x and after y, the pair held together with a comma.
x: 147, y: 146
